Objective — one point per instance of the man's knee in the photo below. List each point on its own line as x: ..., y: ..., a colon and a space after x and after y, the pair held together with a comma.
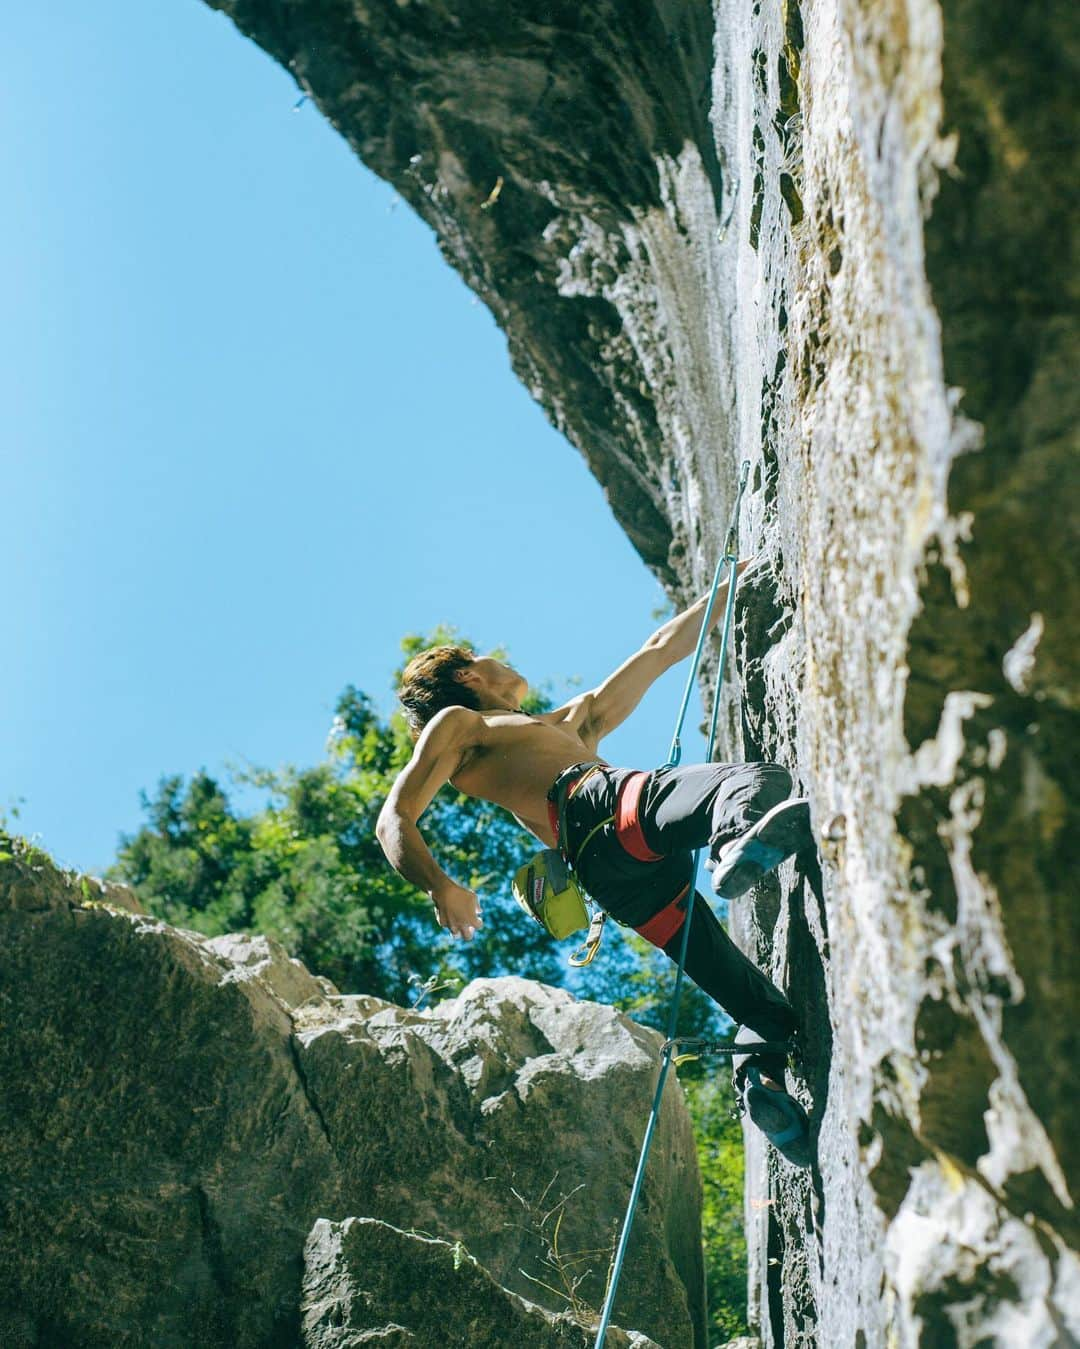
x: 775, y: 785
x: 778, y: 776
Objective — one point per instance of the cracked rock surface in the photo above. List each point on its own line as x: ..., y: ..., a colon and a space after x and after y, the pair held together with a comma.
x: 179, y: 1116
x: 368, y: 1282
x: 837, y: 240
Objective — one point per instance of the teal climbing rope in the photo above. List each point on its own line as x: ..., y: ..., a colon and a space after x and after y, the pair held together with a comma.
x: 728, y: 558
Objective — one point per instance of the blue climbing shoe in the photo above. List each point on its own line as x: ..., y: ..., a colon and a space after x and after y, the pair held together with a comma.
x: 780, y: 1118
x: 779, y: 834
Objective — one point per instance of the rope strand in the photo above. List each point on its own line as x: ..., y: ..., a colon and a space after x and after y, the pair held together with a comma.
x: 729, y: 557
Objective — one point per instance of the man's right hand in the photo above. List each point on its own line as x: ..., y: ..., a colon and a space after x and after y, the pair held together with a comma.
x: 458, y: 909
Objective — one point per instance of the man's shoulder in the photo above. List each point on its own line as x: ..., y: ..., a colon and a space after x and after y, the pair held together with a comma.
x: 455, y: 722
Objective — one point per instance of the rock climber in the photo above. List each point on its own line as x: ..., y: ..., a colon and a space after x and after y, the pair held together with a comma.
x: 465, y: 712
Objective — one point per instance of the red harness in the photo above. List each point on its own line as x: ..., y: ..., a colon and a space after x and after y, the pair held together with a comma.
x: 628, y: 822
x: 662, y: 926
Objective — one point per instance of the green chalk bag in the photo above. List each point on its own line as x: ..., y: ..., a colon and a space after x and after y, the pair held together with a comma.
x: 548, y: 891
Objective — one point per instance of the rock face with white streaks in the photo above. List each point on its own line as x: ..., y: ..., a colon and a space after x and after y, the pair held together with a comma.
x: 187, y: 1126
x: 835, y: 240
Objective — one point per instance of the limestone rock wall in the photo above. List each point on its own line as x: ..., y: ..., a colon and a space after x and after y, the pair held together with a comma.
x: 918, y: 520
x: 202, y: 1144
x: 834, y: 239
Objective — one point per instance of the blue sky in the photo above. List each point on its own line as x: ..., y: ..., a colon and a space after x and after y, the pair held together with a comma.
x: 256, y: 430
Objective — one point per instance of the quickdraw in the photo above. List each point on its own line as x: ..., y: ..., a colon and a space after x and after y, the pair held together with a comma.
x: 694, y: 1048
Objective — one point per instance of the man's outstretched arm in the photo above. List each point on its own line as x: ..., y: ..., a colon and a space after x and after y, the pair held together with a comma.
x: 435, y: 759
x: 614, y: 699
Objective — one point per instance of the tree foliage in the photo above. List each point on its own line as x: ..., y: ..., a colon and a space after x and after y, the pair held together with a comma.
x: 721, y: 1160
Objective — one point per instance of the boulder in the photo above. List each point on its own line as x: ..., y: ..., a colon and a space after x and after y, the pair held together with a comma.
x: 177, y: 1113
x: 496, y: 1114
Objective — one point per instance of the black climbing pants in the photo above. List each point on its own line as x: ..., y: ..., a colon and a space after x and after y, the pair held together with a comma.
x: 680, y: 810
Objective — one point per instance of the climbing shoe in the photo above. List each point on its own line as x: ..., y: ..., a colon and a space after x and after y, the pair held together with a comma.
x: 785, y: 830
x: 779, y: 1116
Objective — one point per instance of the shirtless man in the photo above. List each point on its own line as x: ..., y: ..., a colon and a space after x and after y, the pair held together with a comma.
x: 639, y: 830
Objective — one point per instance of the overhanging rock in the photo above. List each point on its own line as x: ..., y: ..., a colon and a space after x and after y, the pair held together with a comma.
x: 564, y: 157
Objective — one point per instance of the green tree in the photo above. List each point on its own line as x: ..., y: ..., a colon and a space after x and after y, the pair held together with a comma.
x: 307, y: 870
x: 721, y: 1160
